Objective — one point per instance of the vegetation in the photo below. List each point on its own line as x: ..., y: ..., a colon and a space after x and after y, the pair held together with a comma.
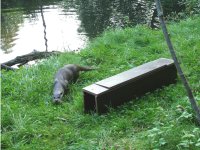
x: 189, y: 8
x: 159, y: 120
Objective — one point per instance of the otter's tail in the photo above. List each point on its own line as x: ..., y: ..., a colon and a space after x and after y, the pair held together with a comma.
x: 84, y: 68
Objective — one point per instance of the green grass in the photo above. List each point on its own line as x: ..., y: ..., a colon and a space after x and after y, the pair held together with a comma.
x: 159, y: 120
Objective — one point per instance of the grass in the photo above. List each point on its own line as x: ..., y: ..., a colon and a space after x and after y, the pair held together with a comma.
x: 159, y: 120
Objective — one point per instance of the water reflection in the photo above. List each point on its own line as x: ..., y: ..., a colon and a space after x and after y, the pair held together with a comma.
x: 62, y: 33
x: 69, y: 23
x: 10, y: 26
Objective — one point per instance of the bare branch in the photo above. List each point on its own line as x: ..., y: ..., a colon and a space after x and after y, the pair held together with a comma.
x: 21, y: 60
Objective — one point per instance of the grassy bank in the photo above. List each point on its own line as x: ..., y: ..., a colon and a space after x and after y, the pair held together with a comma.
x: 159, y: 120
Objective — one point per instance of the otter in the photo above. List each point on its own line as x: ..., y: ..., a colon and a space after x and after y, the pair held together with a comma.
x: 65, y: 75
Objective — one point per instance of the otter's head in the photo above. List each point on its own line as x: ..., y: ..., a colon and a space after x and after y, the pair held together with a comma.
x: 58, y: 93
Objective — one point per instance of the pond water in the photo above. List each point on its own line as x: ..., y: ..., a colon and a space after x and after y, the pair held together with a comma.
x: 69, y: 24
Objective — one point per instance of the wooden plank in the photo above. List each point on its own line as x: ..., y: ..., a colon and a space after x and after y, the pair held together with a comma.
x: 135, y: 73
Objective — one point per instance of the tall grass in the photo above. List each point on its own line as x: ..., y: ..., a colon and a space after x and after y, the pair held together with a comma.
x: 159, y: 120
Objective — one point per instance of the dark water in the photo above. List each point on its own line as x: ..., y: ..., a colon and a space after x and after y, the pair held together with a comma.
x: 70, y: 24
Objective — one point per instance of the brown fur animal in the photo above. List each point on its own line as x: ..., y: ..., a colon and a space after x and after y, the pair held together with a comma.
x: 63, y: 77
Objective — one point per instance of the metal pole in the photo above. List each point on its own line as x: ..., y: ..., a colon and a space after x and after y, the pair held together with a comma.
x: 173, y: 54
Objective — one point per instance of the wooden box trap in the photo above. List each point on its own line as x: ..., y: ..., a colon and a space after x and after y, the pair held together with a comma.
x: 120, y: 88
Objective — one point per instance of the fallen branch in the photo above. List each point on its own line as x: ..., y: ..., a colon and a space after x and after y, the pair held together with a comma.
x: 173, y: 54
x: 22, y: 60
x: 7, y: 68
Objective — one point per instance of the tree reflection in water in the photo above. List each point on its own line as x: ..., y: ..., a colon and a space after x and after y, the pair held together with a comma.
x: 88, y: 18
